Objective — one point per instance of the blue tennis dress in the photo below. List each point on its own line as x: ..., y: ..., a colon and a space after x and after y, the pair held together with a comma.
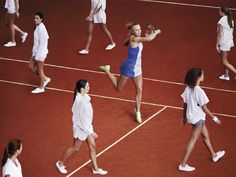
x: 132, y: 65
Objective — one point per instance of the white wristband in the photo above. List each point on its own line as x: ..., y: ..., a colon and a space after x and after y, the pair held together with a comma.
x: 215, y: 119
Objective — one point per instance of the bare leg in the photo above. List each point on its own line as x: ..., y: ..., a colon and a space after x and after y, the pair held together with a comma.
x: 89, y: 33
x: 227, y: 65
x: 41, y: 73
x: 33, y: 65
x: 10, y: 19
x: 69, y: 152
x: 117, y: 83
x: 92, y: 151
x: 207, y: 142
x: 107, y: 32
x: 138, y: 82
x: 196, y: 131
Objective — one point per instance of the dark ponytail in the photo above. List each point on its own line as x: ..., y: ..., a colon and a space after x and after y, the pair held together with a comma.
x: 79, y: 84
x: 5, y: 156
x: 11, y: 149
x: 226, y: 11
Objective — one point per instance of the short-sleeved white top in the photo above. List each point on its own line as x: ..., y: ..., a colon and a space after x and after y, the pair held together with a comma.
x: 195, y: 99
x: 227, y: 33
x: 100, y: 16
x: 82, y: 116
x: 11, y: 169
x: 10, y: 6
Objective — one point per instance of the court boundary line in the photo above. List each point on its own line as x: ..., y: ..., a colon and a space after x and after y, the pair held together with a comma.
x: 185, y: 4
x: 99, y: 72
x: 110, y: 98
x: 119, y: 140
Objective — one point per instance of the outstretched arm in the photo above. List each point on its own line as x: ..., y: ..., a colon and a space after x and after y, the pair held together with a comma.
x: 146, y: 38
x: 208, y: 112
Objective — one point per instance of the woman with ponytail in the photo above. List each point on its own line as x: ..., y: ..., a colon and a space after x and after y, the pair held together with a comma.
x: 82, y: 127
x: 10, y: 165
x: 132, y: 66
x: 224, y: 40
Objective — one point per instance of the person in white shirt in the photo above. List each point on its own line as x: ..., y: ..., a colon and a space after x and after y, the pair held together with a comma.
x: 194, y: 111
x: 82, y: 127
x: 11, y: 167
x: 97, y: 16
x: 39, y: 52
x: 224, y: 40
x: 12, y: 7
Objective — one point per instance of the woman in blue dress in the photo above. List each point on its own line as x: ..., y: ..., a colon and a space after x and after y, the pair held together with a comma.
x: 132, y: 66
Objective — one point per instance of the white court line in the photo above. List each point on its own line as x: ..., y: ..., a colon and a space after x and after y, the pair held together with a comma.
x: 185, y: 4
x: 110, y: 98
x: 120, y: 139
x: 98, y: 72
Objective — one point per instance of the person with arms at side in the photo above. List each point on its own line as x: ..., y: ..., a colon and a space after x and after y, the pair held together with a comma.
x: 82, y: 117
x: 97, y: 16
x: 132, y: 66
x: 39, y: 52
x: 224, y: 40
x: 11, y: 167
x: 194, y: 111
x: 12, y: 7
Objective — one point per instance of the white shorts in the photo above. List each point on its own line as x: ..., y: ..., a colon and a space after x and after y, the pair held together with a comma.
x: 226, y: 47
x: 40, y: 57
x: 100, y: 18
x: 79, y: 133
x: 11, y: 12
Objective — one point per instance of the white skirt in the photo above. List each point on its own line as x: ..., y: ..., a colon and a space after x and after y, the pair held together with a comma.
x: 79, y: 133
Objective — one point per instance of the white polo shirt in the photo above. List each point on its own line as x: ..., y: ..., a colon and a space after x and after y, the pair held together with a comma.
x: 11, y: 169
x: 195, y: 99
x: 10, y: 6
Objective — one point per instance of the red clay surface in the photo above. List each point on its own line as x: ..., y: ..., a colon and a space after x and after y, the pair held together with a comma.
x: 43, y: 121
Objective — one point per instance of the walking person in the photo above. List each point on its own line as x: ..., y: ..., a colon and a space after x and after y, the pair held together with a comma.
x: 12, y: 7
x: 97, y: 16
x: 224, y: 40
x: 39, y: 52
x: 132, y: 66
x: 11, y: 166
x: 194, y: 111
x: 82, y: 127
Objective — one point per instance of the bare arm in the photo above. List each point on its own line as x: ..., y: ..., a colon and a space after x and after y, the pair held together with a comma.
x: 17, y: 8
x: 208, y: 112
x: 184, y: 113
x: 146, y: 38
x: 219, y: 31
x: 93, y: 12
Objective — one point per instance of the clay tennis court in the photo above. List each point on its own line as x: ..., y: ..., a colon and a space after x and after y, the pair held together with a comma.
x: 125, y: 148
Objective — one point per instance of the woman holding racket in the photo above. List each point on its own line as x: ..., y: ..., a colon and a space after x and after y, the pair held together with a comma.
x: 194, y: 111
x: 225, y: 41
x: 82, y: 127
x: 131, y: 68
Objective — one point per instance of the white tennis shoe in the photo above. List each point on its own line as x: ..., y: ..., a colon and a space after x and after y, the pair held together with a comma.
x: 186, y: 168
x: 110, y: 46
x: 218, y: 156
x: 61, y: 168
x: 99, y: 172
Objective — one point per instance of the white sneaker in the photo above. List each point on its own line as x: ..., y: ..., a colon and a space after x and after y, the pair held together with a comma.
x: 186, y: 168
x: 10, y: 44
x: 46, y: 81
x: 223, y: 77
x: 219, y: 155
x: 110, y: 46
x: 23, y: 37
x: 99, y: 172
x: 84, y: 52
x: 38, y: 90
x: 61, y: 169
